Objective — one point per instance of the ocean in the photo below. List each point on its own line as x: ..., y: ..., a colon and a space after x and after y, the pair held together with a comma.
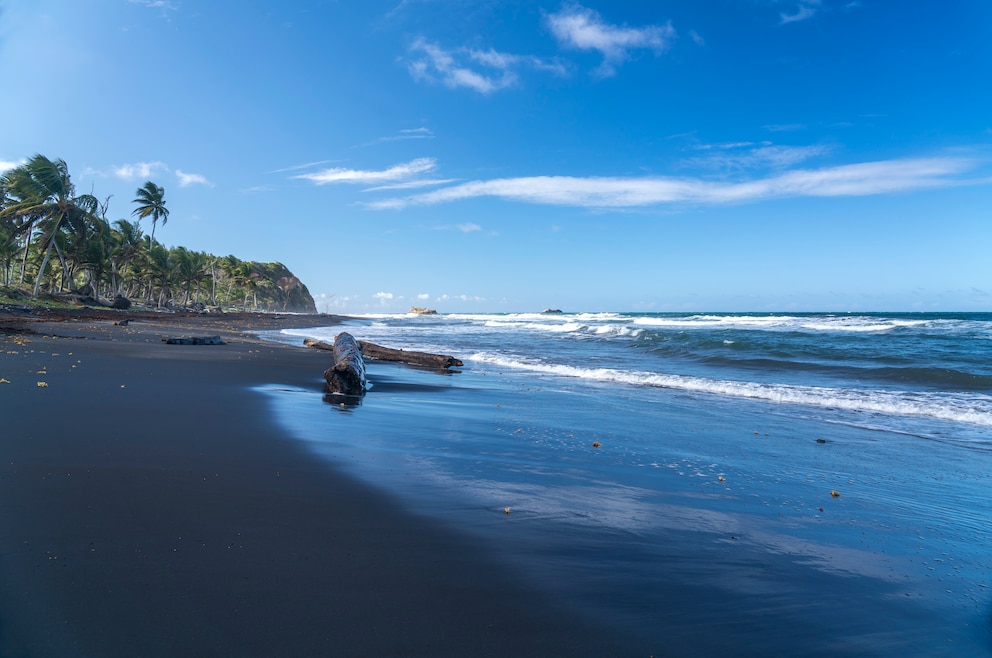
x: 751, y: 484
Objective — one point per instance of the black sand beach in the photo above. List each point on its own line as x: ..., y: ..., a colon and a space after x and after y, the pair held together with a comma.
x: 150, y: 507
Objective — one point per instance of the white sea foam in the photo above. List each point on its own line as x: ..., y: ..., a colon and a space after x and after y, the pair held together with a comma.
x: 858, y: 324
x: 974, y: 409
x: 627, y: 325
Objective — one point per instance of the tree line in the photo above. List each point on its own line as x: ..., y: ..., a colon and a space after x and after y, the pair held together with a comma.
x: 53, y: 240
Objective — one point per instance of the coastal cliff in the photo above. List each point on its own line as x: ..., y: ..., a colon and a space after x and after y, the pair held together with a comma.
x: 278, y: 289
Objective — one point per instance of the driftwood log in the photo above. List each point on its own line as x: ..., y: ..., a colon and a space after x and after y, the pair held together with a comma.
x: 347, y: 375
x: 380, y: 353
x: 191, y: 340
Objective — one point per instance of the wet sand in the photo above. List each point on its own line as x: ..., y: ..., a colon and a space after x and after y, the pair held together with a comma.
x: 150, y: 507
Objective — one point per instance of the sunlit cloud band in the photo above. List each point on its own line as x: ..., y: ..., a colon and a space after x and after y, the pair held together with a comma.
x: 395, y: 173
x: 862, y: 179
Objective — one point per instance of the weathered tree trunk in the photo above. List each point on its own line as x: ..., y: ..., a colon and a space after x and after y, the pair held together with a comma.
x: 194, y: 340
x: 380, y: 353
x: 44, y: 266
x: 67, y: 281
x: 27, y: 245
x: 347, y: 375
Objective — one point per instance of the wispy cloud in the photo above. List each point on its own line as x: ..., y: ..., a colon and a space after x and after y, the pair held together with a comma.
x: 185, y: 180
x: 364, y: 177
x: 258, y: 189
x: 6, y: 165
x: 740, y: 156
x: 438, y: 65
x: 410, y: 133
x: 785, y: 127
x: 140, y: 170
x: 298, y: 167
x: 862, y: 179
x: 412, y: 184
x: 578, y: 27
x: 459, y: 298
x: 467, y: 227
x: 484, y: 71
x: 398, y: 8
x: 804, y: 9
x: 416, y: 133
x: 156, y: 4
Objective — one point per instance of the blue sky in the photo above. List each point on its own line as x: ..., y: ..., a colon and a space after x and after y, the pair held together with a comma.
x: 717, y: 155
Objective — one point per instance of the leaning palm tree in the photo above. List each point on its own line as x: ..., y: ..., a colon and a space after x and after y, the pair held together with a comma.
x: 127, y: 246
x: 162, y: 270
x: 8, y: 252
x: 41, y: 188
x: 151, y: 200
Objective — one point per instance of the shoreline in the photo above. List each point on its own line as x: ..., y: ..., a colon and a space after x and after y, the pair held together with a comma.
x: 151, y: 506
x: 702, y: 522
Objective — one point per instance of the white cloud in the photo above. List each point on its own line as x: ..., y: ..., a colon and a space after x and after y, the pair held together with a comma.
x: 584, y: 29
x: 258, y: 189
x: 185, y: 180
x: 460, y: 298
x: 155, y: 4
x: 439, y: 65
x: 785, y: 127
x: 383, y: 296
x: 410, y: 184
x: 746, y: 155
x: 416, y: 133
x: 308, y: 165
x: 467, y: 227
x: 725, y: 145
x: 364, y: 177
x: 862, y: 179
x: 6, y: 165
x: 423, y: 296
x: 805, y: 9
x: 484, y: 71
x: 410, y: 133
x: 140, y: 170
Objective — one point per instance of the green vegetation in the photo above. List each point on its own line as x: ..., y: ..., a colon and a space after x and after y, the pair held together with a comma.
x: 95, y: 259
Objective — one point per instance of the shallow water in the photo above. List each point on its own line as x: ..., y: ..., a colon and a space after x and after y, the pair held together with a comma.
x: 704, y: 521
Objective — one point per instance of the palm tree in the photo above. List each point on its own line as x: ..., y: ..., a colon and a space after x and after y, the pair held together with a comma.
x: 23, y: 223
x: 8, y: 246
x: 128, y: 245
x: 151, y: 198
x: 41, y: 188
x: 8, y: 252
x: 162, y: 269
x: 191, y: 269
